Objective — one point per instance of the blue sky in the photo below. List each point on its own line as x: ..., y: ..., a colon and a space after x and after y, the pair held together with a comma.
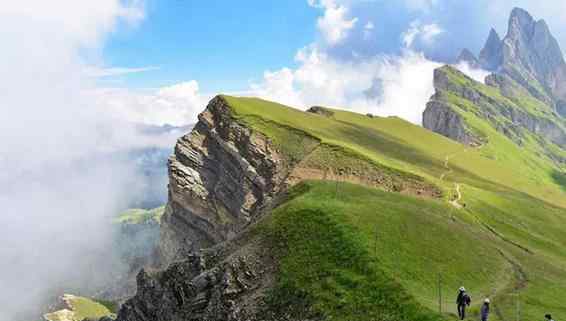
x: 226, y: 45
x: 299, y: 52
x: 222, y: 45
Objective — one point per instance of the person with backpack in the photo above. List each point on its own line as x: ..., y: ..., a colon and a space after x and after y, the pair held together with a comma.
x: 485, y: 310
x: 463, y: 300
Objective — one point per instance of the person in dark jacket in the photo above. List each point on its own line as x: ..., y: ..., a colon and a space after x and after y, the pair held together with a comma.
x: 463, y: 300
x: 485, y: 310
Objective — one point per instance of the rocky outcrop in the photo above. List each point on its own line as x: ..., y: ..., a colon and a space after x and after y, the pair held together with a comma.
x: 444, y: 116
x: 224, y: 283
x: 491, y: 56
x: 442, y: 119
x: 221, y: 175
x: 321, y: 111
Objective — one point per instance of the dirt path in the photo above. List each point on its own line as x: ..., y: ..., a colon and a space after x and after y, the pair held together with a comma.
x: 519, y: 280
x: 455, y: 202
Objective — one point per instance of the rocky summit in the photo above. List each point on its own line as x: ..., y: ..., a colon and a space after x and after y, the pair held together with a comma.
x: 530, y: 55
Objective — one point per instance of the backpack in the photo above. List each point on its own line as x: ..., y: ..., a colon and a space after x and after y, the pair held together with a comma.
x: 466, y: 299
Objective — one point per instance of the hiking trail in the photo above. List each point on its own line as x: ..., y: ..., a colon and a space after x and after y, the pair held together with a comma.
x: 455, y: 202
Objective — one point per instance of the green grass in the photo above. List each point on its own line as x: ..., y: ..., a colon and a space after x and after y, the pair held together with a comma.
x: 139, y: 216
x: 407, y: 148
x: 327, y: 269
x: 81, y: 308
x: 514, y: 195
x: 365, y: 254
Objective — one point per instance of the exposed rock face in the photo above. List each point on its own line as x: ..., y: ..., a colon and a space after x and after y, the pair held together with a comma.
x: 225, y: 283
x: 530, y: 55
x: 221, y: 174
x: 468, y: 57
x: 321, y: 111
x: 491, y: 56
x: 442, y: 119
x: 442, y: 116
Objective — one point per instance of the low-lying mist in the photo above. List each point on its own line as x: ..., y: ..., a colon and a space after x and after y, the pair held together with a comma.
x: 65, y: 166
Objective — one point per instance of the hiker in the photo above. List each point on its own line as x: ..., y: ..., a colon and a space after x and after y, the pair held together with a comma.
x: 548, y: 317
x: 463, y: 300
x: 485, y: 310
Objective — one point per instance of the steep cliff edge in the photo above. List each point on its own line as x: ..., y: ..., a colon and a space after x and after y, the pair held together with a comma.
x: 221, y: 174
x: 460, y: 104
x: 225, y: 172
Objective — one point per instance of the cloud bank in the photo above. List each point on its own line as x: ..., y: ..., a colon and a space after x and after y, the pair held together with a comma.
x: 59, y: 180
x: 176, y: 105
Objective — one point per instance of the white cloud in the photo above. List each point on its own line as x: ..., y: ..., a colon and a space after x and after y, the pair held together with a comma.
x: 334, y: 24
x: 99, y: 72
x: 176, y: 105
x: 424, y: 34
x: 477, y: 74
x: 80, y: 22
x: 322, y: 80
x: 407, y: 86
x: 56, y: 181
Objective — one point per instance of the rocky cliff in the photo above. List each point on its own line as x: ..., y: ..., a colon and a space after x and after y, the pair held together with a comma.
x: 221, y: 175
x: 529, y: 55
x: 503, y: 105
x: 224, y: 176
x: 226, y: 282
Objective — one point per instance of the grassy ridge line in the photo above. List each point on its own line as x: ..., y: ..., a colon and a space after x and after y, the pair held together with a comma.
x: 271, y: 129
x: 409, y: 148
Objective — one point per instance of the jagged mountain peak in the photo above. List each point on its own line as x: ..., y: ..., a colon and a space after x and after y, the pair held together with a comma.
x: 493, y: 36
x: 467, y: 56
x: 491, y: 56
x: 520, y: 19
x: 530, y: 55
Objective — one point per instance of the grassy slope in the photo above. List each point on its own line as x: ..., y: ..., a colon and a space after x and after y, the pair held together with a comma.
x: 138, y: 216
x: 349, y: 252
x: 512, y: 200
x: 82, y: 308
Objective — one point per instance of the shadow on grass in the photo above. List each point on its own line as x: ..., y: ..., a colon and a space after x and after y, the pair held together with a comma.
x: 559, y: 178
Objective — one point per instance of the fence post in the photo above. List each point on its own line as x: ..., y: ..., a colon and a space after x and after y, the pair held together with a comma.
x: 440, y: 293
x: 375, y: 242
x: 518, y: 302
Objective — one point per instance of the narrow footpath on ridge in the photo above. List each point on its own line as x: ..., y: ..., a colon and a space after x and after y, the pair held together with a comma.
x: 519, y: 279
x: 455, y: 202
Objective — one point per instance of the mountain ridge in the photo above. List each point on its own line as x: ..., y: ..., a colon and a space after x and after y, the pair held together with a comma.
x: 279, y: 214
